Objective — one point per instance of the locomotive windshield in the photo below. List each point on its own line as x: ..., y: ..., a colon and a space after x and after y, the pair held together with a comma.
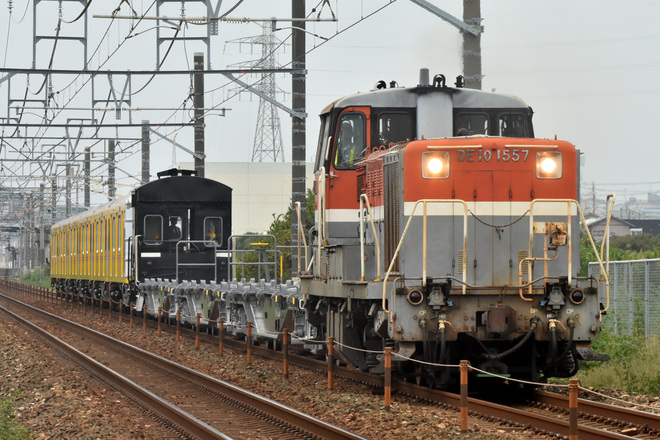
x: 393, y: 128
x: 492, y: 123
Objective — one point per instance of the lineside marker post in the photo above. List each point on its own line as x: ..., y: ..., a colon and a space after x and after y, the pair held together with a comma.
x: 249, y: 343
x: 331, y: 361
x: 101, y: 307
x: 144, y: 318
x: 197, y: 331
x: 130, y: 315
x: 109, y: 307
x: 285, y: 352
x: 84, y: 306
x: 573, y: 409
x: 388, y: 377
x: 221, y: 336
x: 464, y: 367
x: 178, y: 325
x: 121, y: 310
x: 160, y: 313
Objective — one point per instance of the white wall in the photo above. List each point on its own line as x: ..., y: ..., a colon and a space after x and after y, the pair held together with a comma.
x: 260, y: 189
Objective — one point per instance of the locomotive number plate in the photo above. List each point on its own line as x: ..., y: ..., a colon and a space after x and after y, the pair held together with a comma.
x: 478, y: 155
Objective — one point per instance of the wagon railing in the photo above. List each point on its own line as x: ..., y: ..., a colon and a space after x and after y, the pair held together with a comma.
x: 266, y: 255
x: 207, y: 243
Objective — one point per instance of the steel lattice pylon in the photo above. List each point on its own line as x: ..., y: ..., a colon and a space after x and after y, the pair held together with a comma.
x: 268, y: 136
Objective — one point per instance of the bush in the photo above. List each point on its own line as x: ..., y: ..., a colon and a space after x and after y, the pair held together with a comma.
x: 37, y: 277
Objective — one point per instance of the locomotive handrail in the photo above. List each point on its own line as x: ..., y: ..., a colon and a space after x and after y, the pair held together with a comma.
x: 300, y: 227
x: 323, y: 239
x: 135, y: 256
x: 373, y: 227
x: 545, y: 257
x: 603, y: 272
x: 606, y: 233
x: 424, y: 202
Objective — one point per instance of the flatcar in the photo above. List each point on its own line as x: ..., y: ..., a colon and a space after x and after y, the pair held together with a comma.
x: 448, y: 232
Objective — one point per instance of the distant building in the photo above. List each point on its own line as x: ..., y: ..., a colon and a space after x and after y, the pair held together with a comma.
x: 619, y: 227
x: 645, y: 226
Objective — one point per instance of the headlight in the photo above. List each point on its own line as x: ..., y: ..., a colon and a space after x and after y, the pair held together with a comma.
x: 435, y: 164
x: 548, y: 165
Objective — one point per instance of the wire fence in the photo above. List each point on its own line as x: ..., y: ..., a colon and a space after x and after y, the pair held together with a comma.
x: 634, y: 296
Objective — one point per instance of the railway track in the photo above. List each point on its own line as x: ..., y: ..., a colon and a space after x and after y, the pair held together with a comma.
x: 546, y: 414
x: 192, y: 404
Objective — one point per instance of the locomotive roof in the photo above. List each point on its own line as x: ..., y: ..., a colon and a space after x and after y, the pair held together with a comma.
x: 407, y: 97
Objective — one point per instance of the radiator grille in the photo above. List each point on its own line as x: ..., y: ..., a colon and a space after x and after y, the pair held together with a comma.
x: 391, y: 193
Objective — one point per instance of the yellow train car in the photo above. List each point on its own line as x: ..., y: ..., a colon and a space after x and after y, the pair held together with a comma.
x: 93, y: 246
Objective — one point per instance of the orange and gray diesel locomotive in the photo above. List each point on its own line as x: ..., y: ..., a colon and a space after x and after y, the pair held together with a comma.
x: 443, y: 229
x: 446, y: 231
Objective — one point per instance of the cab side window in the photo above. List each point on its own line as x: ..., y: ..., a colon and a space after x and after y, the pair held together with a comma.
x: 350, y: 143
x: 153, y: 229
x: 213, y: 231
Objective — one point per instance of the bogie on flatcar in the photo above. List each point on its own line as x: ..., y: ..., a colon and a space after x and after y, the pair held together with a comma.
x: 448, y: 232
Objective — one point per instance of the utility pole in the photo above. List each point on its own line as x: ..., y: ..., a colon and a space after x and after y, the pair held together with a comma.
x: 471, y: 29
x: 53, y: 202
x: 298, y: 125
x: 42, y: 226
x: 87, y: 171
x: 111, y: 170
x: 145, y: 152
x: 472, y: 45
x: 198, y: 79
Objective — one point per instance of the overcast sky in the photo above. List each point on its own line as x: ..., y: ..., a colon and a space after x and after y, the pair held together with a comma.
x: 589, y: 70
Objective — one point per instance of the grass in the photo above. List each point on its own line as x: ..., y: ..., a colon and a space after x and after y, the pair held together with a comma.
x: 633, y: 366
x: 10, y: 429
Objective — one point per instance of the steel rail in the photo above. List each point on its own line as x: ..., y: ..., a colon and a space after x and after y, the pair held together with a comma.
x: 130, y: 389
x: 268, y: 407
